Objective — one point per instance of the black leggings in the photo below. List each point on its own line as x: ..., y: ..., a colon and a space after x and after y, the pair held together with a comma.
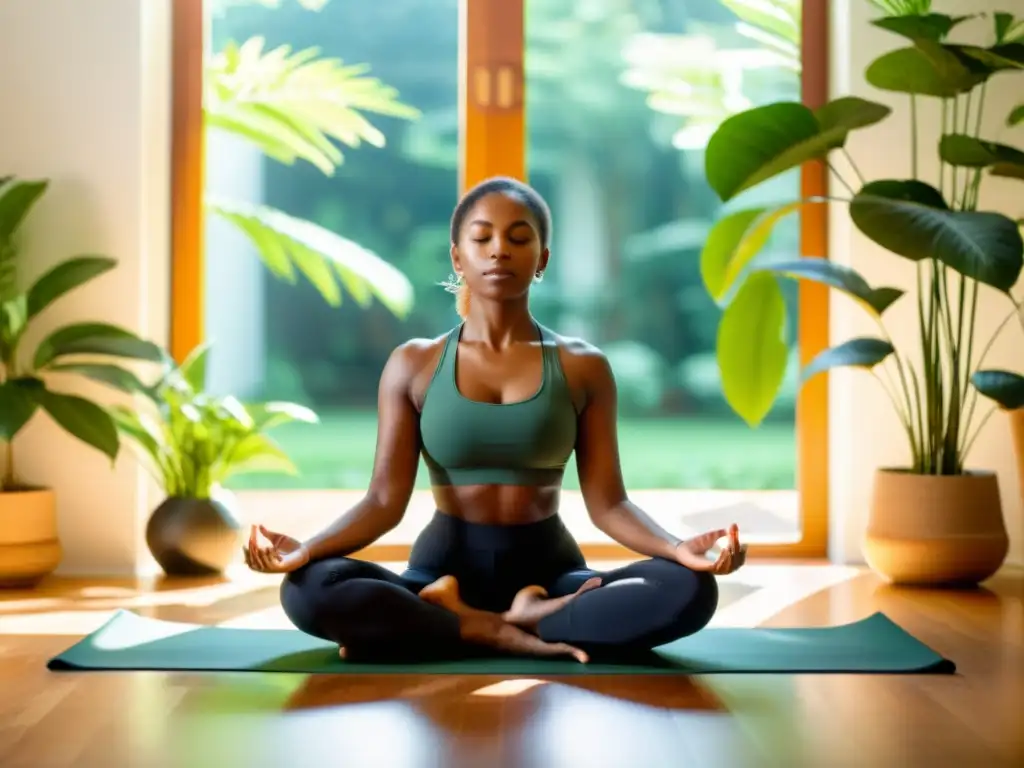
x: 375, y: 613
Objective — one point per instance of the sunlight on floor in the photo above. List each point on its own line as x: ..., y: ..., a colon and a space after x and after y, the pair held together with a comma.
x: 747, y: 598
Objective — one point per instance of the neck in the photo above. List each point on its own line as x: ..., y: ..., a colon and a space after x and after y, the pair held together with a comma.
x: 498, y: 324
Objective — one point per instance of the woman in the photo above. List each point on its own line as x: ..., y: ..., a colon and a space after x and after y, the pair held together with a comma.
x: 496, y: 407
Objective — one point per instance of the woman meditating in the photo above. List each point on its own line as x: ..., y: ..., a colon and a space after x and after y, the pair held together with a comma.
x: 496, y: 407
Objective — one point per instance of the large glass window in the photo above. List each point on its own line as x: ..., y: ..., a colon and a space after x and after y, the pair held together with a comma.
x: 621, y: 96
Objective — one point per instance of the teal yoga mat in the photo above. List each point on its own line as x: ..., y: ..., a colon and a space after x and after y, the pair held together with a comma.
x: 873, y: 645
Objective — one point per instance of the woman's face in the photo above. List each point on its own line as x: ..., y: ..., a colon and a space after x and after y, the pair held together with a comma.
x: 499, y: 250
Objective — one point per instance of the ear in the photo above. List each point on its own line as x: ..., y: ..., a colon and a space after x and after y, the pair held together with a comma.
x: 543, y: 263
x: 456, y: 261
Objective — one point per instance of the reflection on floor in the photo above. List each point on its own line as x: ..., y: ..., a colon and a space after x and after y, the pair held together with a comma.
x: 256, y: 720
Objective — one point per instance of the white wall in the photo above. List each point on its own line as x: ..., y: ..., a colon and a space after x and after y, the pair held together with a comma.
x: 865, y: 433
x: 85, y: 92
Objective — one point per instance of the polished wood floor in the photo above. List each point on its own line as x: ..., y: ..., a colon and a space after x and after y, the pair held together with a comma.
x: 157, y: 720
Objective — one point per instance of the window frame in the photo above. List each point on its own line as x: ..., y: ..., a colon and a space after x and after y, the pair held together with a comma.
x: 493, y: 141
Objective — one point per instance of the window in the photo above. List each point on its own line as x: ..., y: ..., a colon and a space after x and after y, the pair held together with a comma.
x: 604, y: 107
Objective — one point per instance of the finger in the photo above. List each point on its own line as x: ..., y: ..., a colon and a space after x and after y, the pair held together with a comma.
x: 740, y: 558
x: 589, y: 584
x: 253, y: 543
x: 270, y: 535
x: 262, y: 557
x: 724, y: 563
x: 734, y: 537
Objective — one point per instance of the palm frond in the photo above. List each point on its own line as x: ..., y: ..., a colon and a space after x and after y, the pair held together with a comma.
x: 289, y: 246
x: 294, y: 105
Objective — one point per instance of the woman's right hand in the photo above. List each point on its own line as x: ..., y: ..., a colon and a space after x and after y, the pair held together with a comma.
x: 283, y: 555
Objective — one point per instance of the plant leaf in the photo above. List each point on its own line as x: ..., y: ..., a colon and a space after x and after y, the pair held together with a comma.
x: 322, y: 256
x: 841, y: 277
x: 925, y: 69
x: 763, y: 142
x: 962, y: 150
x: 751, y: 350
x: 82, y: 419
x: 930, y: 26
x: 193, y: 368
x: 258, y: 453
x: 734, y: 242
x: 1016, y: 116
x: 17, y: 406
x: 95, y: 339
x: 16, y: 200
x: 1003, y: 387
x: 855, y: 353
x: 64, y: 278
x: 114, y: 376
x: 909, y: 218
x: 292, y: 104
x: 778, y: 18
x: 13, y: 324
x: 997, y: 58
x: 266, y: 416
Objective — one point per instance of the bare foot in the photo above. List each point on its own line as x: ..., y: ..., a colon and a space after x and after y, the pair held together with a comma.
x: 445, y: 593
x: 531, y: 604
x: 491, y: 629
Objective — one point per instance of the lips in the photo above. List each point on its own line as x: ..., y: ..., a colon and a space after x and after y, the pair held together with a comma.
x: 499, y: 272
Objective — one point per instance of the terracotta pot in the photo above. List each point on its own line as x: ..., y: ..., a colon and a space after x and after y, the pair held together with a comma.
x: 194, y: 537
x: 931, y: 530
x: 29, y: 547
x: 1017, y: 430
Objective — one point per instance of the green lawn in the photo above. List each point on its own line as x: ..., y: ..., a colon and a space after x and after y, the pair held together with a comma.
x: 679, y: 453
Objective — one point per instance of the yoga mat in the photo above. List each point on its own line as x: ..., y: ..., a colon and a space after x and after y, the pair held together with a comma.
x: 873, y: 645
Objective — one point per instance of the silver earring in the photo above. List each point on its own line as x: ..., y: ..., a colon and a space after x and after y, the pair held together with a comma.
x: 453, y: 284
x: 539, y: 276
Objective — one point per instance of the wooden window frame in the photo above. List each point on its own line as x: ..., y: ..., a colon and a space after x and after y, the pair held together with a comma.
x: 493, y: 140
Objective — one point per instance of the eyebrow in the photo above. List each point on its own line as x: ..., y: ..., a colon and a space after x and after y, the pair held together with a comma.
x: 519, y: 223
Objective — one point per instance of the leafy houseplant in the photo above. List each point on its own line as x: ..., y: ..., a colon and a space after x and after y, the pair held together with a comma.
x: 28, y: 533
x: 193, y: 442
x: 962, y: 256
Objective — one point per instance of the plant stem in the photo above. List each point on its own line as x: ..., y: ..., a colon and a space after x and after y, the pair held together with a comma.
x: 913, y: 136
x: 970, y: 443
x: 904, y: 420
x: 841, y: 179
x: 853, y: 165
x: 906, y: 390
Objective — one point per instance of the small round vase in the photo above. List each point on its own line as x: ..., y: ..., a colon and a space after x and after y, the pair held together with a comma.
x: 193, y: 537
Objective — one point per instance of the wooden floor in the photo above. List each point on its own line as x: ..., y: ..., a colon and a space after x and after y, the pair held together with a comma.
x: 157, y: 720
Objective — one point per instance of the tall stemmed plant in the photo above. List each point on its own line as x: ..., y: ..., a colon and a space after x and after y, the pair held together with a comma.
x: 961, y: 254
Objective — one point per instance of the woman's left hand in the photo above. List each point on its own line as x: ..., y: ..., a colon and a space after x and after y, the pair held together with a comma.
x: 692, y: 552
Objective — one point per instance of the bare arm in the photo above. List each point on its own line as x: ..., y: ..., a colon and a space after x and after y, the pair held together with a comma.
x: 600, y: 473
x: 394, y: 467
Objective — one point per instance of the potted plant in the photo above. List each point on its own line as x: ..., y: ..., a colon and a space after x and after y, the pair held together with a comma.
x: 933, y: 521
x: 193, y: 442
x: 30, y: 548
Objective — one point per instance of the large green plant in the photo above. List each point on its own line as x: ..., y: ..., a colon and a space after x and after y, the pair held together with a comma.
x: 192, y: 441
x: 299, y: 106
x: 962, y: 255
x: 93, y: 350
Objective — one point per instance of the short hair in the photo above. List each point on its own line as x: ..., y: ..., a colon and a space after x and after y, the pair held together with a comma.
x: 502, y: 185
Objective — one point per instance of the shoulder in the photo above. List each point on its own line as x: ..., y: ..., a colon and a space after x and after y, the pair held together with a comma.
x: 584, y: 363
x: 411, y: 365
x: 410, y: 358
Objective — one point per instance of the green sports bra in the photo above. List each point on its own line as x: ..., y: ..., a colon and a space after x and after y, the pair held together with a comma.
x: 468, y: 442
